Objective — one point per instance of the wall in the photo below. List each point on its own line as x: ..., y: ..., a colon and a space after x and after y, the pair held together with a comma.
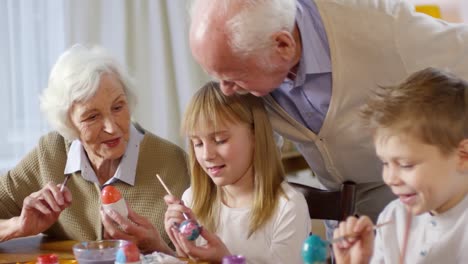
x: 451, y: 10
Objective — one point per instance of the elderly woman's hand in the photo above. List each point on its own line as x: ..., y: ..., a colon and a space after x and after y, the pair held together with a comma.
x: 41, y: 209
x: 136, y: 228
x: 173, y: 218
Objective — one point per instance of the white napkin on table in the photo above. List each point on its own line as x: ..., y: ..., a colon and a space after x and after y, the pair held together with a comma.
x: 160, y: 258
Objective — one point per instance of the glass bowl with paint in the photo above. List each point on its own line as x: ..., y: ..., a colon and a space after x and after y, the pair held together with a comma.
x: 97, y: 252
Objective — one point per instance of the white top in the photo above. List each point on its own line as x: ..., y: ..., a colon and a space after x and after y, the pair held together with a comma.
x: 279, y: 241
x: 433, y: 238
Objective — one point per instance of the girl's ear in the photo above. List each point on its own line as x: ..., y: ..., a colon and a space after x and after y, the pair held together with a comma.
x: 463, y: 155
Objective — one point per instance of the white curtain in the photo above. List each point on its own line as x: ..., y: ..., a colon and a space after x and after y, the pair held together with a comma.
x: 148, y: 36
x: 464, y: 7
x: 31, y: 38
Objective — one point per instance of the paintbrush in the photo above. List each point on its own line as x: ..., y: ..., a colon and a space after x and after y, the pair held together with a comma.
x: 169, y: 192
x: 64, y: 182
x: 341, y: 238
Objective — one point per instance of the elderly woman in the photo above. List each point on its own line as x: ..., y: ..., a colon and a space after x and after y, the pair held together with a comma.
x: 88, y: 102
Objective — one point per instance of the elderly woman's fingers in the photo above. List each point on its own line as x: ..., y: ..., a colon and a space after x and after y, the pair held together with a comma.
x: 47, y: 196
x: 54, y: 189
x: 118, y: 225
x: 42, y: 201
x: 111, y: 227
x: 136, y: 228
x: 34, y: 202
x: 67, y: 195
x: 36, y: 215
x: 138, y: 219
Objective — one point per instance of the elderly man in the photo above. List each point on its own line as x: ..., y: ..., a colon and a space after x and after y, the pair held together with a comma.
x: 315, y: 62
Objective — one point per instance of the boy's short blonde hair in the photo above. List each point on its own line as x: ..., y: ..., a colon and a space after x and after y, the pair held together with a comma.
x: 430, y: 105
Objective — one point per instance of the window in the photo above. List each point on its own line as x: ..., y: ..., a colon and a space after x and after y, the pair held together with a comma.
x: 26, y: 26
x: 451, y: 10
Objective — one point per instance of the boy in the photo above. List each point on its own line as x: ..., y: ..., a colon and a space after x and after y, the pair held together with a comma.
x: 421, y: 135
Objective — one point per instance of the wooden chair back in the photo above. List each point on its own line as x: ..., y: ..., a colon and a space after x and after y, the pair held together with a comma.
x: 327, y: 204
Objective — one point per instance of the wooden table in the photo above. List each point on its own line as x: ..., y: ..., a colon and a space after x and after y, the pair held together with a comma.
x: 29, y: 248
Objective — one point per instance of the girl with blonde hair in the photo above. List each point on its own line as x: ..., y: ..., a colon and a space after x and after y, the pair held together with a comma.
x: 238, y: 191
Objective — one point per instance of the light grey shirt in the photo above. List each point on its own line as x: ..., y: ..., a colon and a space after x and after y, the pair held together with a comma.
x: 307, y: 98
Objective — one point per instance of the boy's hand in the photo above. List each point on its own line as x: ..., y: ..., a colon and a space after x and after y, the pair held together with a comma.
x: 357, y: 248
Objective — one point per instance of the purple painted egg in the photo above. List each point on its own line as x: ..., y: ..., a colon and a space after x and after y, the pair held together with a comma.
x: 190, y: 229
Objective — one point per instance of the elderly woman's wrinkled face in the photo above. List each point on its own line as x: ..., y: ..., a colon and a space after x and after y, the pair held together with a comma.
x: 103, y: 121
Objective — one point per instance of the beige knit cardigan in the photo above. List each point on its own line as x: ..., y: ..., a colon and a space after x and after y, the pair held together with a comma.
x: 81, y: 221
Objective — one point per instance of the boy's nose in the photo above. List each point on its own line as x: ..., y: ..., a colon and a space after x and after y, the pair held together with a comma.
x: 391, y: 177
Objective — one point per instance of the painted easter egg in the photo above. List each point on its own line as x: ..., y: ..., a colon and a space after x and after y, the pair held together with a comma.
x: 110, y: 194
x: 129, y: 253
x: 190, y: 229
x: 113, y: 200
x: 314, y: 250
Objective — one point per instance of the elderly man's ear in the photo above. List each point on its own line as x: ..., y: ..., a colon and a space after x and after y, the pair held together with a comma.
x: 463, y: 155
x: 285, y: 45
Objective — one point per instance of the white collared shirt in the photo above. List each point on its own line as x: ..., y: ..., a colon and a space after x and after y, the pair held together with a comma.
x: 78, y: 161
x: 432, y: 239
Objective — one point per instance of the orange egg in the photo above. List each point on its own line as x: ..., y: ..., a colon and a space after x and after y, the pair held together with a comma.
x: 110, y: 194
x: 128, y: 253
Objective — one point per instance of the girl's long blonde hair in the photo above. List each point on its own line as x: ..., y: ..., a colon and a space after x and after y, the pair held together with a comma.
x: 210, y: 106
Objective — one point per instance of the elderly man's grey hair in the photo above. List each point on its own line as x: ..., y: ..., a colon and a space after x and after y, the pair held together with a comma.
x: 75, y: 77
x: 251, y: 28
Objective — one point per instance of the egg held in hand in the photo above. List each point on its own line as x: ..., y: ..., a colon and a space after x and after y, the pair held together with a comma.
x: 129, y: 253
x: 113, y: 200
x: 190, y: 229
x: 314, y: 250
